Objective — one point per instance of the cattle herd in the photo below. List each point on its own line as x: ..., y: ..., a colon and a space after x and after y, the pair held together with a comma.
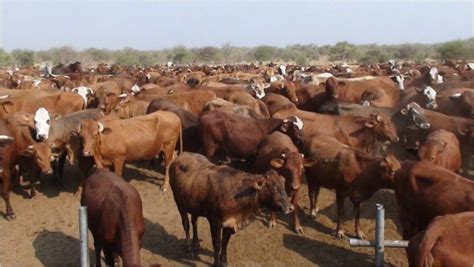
x: 237, y: 138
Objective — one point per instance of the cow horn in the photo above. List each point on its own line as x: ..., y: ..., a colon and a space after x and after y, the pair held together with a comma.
x: 75, y: 90
x: 100, y: 126
x: 283, y: 155
x: 30, y: 147
x: 89, y: 90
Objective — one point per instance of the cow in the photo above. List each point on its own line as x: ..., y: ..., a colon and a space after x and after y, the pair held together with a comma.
x: 246, y: 99
x: 110, y: 142
x: 441, y: 148
x: 465, y: 102
x: 338, y: 167
x: 115, y: 217
x: 229, y: 107
x: 447, y: 241
x: 227, y: 197
x: 424, y: 191
x: 278, y: 152
x: 195, y: 100
x: 457, y: 102
x: 240, y: 136
x: 33, y: 161
x: 129, y: 107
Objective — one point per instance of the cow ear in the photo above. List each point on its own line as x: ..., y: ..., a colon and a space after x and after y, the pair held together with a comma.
x: 277, y: 163
x: 259, y: 183
x: 370, y: 123
x: 106, y: 130
x: 404, y: 111
x: 310, y: 162
x: 443, y: 146
x: 57, y: 116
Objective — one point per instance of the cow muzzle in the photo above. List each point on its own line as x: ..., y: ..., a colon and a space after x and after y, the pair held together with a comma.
x: 289, y: 209
x: 41, y: 137
x: 48, y: 172
x: 87, y: 153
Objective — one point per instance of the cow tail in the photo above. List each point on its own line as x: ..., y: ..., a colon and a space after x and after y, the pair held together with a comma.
x: 424, y: 256
x: 180, y: 139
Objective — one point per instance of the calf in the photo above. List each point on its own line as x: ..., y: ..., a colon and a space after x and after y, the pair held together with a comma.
x: 447, y: 241
x: 115, y: 217
x: 227, y: 197
x: 114, y: 142
x: 339, y: 167
x: 441, y: 148
x: 33, y: 161
x: 278, y: 152
x: 241, y: 136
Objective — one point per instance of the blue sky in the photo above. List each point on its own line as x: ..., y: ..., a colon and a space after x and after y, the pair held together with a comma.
x: 163, y: 24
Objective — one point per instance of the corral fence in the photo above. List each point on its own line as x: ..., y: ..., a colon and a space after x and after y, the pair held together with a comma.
x: 379, y: 244
x: 83, y: 237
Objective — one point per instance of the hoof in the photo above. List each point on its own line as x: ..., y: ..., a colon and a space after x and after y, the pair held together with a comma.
x: 10, y: 217
x: 340, y: 234
x: 272, y: 224
x: 361, y: 235
x: 299, y: 230
x: 32, y: 195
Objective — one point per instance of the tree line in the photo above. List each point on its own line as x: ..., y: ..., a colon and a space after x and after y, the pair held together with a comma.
x: 228, y: 53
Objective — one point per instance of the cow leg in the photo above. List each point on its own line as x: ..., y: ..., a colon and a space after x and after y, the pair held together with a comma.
x: 168, y: 155
x: 10, y: 215
x: 118, y: 166
x: 185, y: 222
x: 359, y: 233
x: 109, y: 257
x: 272, y: 222
x: 340, y: 214
x: 59, y: 169
x: 313, y: 193
x: 296, y: 219
x: 195, y: 244
x: 34, y: 177
x: 227, y: 233
x: 98, y: 250
x: 216, y: 232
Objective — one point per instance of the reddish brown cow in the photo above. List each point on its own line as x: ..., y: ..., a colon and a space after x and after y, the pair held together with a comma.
x: 115, y: 217
x: 278, y: 152
x: 227, y: 197
x: 456, y: 102
x: 339, y: 167
x: 441, y: 148
x: 195, y: 100
x: 240, y: 136
x: 447, y: 241
x: 114, y: 142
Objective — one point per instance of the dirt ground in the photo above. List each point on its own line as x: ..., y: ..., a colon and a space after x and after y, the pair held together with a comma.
x: 46, y: 230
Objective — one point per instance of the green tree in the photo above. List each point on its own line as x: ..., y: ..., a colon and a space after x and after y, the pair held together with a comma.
x: 5, y: 58
x: 343, y: 51
x: 127, y: 56
x: 264, y: 53
x: 454, y: 50
x: 180, y: 55
x: 209, y: 54
x: 23, y: 57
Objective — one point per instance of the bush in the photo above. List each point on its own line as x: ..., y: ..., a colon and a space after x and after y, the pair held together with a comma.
x: 23, y: 57
x: 454, y: 50
x: 343, y: 51
x: 264, y: 53
x: 5, y: 59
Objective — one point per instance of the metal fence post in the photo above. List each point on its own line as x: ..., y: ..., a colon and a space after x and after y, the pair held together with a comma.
x: 83, y: 236
x: 379, y: 236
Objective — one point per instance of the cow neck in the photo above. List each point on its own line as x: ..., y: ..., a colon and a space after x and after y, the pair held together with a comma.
x: 98, y: 149
x: 363, y: 138
x: 371, y: 178
x: 271, y: 125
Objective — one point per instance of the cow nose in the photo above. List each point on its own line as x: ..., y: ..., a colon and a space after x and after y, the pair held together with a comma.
x: 87, y: 153
x: 41, y: 137
x: 290, y: 209
x: 396, y: 139
x: 432, y: 158
x: 49, y: 171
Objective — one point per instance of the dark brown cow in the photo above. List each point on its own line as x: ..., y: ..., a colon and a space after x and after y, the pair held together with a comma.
x: 227, y: 197
x: 114, y: 142
x: 447, y: 241
x: 339, y: 167
x: 441, y: 148
x: 456, y: 102
x: 115, y: 217
x: 33, y: 161
x: 278, y: 152
x: 240, y: 136
x: 424, y: 191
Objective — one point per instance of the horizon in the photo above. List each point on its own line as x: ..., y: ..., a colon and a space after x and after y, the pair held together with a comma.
x: 159, y: 25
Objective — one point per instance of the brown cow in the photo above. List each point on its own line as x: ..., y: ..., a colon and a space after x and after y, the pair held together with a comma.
x: 240, y: 136
x: 246, y: 99
x: 278, y: 152
x: 447, y: 241
x: 33, y: 161
x: 114, y: 142
x: 195, y: 100
x: 441, y: 148
x: 338, y: 167
x: 227, y: 197
x: 115, y: 217
x: 229, y: 107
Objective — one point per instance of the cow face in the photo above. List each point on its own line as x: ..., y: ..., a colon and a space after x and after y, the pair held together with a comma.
x: 42, y: 123
x: 109, y: 102
x: 291, y: 165
x: 259, y: 88
x: 90, y: 132
x: 465, y: 100
x: 399, y: 80
x: 382, y: 127
x: 122, y: 110
x: 41, y: 152
x: 390, y: 165
x: 434, y: 76
x: 272, y: 190
x: 415, y: 112
x: 293, y: 127
x: 431, y: 150
x: 430, y: 95
x: 85, y: 92
x: 288, y: 90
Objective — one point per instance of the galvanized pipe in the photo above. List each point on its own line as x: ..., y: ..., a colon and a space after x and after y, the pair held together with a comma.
x: 379, y: 236
x: 83, y: 236
x: 354, y: 242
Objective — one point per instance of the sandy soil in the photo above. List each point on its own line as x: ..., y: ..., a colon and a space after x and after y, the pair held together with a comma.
x: 46, y: 230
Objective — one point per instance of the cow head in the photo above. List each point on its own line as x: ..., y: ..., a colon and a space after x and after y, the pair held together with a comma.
x: 430, y: 94
x: 332, y: 87
x: 285, y: 88
x: 416, y: 114
x: 399, y: 79
x: 272, y: 193
x: 430, y: 151
x: 382, y: 126
x: 291, y: 165
x: 90, y: 132
x: 390, y: 165
x: 433, y: 76
x: 42, y: 122
x: 282, y: 70
x: 122, y: 109
x: 465, y: 100
x: 293, y: 127
x: 109, y: 102
x: 258, y: 87
x: 41, y: 152
x: 86, y: 93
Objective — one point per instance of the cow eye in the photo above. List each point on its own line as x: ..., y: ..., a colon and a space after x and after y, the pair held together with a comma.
x: 47, y: 121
